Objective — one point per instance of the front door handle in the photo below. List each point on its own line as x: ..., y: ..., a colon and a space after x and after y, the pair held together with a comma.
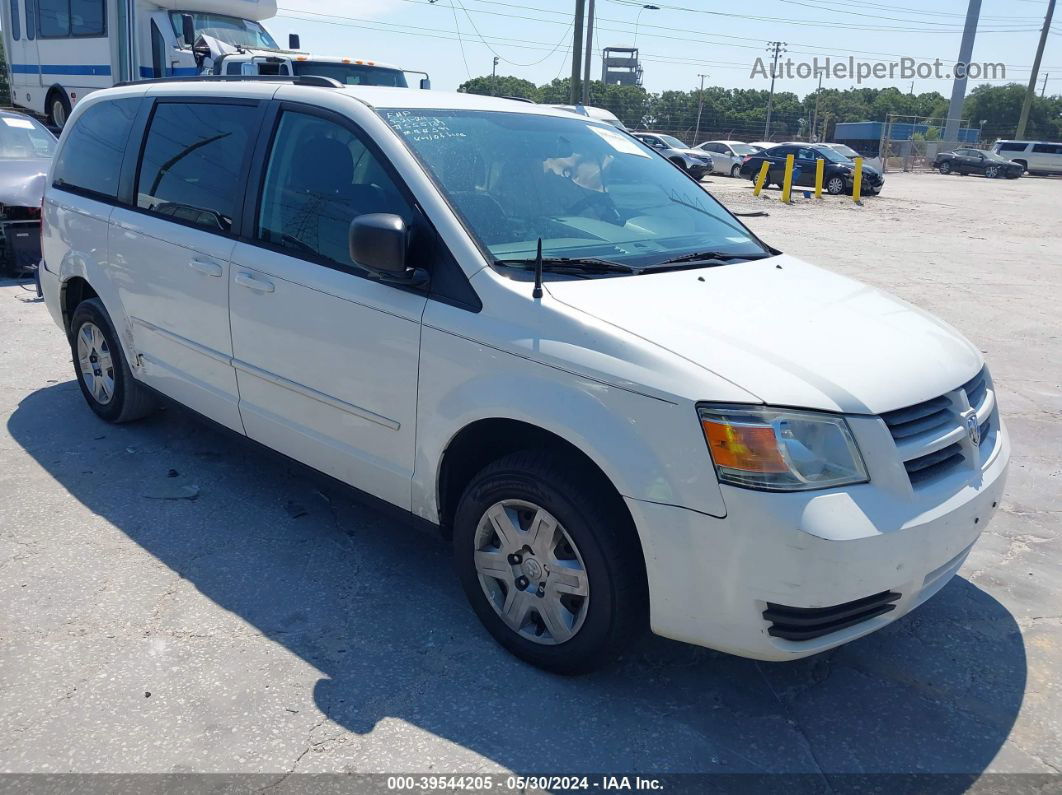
x: 255, y: 283
x: 209, y: 267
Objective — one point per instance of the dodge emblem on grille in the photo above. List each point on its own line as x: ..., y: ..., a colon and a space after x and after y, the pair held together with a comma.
x: 973, y: 428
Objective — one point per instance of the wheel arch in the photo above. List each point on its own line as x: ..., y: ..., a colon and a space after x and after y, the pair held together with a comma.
x: 484, y: 441
x: 71, y: 293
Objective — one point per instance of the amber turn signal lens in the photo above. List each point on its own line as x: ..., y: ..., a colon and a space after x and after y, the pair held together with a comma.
x: 743, y: 447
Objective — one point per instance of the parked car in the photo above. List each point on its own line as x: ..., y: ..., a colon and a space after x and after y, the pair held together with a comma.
x: 727, y: 155
x: 1043, y: 158
x: 528, y: 331
x: 974, y: 161
x: 26, y: 149
x: 837, y: 172
x: 697, y: 162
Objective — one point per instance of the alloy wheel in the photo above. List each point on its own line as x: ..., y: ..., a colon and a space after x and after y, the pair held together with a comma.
x: 531, y: 572
x: 97, y: 366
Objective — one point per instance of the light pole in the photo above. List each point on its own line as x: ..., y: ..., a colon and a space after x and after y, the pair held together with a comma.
x: 700, y: 107
x: 638, y: 19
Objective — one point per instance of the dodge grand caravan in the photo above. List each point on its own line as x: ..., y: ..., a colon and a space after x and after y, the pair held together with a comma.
x: 530, y: 330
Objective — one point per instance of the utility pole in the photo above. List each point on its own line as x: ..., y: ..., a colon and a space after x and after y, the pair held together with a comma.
x: 778, y: 47
x: 589, y: 51
x: 700, y: 107
x: 958, y: 88
x: 1031, y: 90
x: 1043, y: 88
x: 815, y: 115
x: 577, y: 50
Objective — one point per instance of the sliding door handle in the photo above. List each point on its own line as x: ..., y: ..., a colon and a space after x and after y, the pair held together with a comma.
x: 256, y: 283
x: 209, y: 267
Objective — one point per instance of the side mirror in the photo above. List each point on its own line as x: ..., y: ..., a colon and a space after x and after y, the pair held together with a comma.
x: 380, y: 242
x: 425, y: 83
x: 188, y: 29
x: 293, y: 41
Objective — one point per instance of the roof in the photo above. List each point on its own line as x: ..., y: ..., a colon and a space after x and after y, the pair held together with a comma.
x: 373, y: 96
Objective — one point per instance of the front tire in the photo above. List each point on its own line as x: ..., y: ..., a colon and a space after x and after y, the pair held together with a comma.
x: 945, y: 168
x: 835, y: 186
x: 992, y: 172
x: 101, y: 368
x: 58, y: 108
x: 550, y: 564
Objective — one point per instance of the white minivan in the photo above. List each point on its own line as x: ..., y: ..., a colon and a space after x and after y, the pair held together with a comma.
x: 532, y: 331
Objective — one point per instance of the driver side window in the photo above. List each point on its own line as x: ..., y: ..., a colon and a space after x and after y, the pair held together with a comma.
x: 320, y: 177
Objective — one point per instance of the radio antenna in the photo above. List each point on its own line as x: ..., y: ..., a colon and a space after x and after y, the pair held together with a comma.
x: 537, y: 292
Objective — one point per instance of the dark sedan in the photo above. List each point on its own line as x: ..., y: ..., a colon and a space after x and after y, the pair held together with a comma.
x: 974, y: 161
x: 837, y: 171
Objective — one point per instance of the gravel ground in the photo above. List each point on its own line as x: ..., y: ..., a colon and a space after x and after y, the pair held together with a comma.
x: 173, y: 599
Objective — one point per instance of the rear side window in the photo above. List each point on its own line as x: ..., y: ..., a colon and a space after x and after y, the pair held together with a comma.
x: 91, y: 158
x: 193, y: 157
x: 1048, y: 149
x: 1012, y: 146
x: 16, y: 25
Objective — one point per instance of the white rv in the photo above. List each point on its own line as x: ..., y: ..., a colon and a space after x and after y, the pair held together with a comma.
x: 60, y: 50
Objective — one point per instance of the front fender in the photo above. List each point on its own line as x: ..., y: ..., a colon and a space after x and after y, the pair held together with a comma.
x: 650, y: 448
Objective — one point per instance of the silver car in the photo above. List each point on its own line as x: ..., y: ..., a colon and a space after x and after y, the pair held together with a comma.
x: 696, y: 162
x: 727, y: 156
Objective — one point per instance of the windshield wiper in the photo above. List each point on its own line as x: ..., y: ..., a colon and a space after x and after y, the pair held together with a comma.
x: 569, y: 265
x: 704, y: 258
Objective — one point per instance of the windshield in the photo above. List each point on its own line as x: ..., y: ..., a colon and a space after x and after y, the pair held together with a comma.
x: 583, y: 187
x: 847, y: 151
x: 23, y: 138
x: 231, y: 30
x: 352, y: 74
x: 673, y: 142
x: 829, y: 154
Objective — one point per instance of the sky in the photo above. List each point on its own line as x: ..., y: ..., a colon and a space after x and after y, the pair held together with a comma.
x: 679, y: 40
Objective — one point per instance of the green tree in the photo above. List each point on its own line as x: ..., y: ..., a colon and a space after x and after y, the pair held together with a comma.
x: 501, y: 86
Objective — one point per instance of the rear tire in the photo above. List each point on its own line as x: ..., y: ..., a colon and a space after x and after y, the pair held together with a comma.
x: 735, y: 170
x: 102, y: 372
x: 534, y: 516
x: 945, y: 168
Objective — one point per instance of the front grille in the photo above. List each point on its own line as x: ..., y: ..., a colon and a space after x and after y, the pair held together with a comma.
x: 929, y: 435
x: 911, y: 421
x: 807, y: 623
x: 928, y: 466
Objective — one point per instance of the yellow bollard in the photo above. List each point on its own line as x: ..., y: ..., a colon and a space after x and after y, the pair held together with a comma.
x: 761, y: 177
x: 857, y: 180
x: 787, y: 182
x: 820, y: 166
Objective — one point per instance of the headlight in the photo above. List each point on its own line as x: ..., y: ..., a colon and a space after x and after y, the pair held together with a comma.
x: 759, y: 447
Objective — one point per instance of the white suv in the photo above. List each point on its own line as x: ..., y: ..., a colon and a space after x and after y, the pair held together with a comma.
x: 681, y: 427
x: 1036, y: 157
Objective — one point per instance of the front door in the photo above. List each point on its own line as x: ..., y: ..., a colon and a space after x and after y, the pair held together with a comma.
x: 326, y: 357
x: 172, y: 251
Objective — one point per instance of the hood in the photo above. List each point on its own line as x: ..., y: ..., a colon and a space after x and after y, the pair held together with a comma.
x: 22, y: 181
x: 788, y: 332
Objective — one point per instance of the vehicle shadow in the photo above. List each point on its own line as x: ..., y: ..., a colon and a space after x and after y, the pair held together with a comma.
x: 373, y: 605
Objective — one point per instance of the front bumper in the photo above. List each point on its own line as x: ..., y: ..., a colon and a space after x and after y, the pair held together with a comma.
x: 699, y: 170
x: 711, y: 579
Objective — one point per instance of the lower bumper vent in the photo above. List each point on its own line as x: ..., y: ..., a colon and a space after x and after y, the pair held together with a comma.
x: 806, y: 623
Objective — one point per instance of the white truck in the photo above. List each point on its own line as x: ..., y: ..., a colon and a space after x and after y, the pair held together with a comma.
x: 60, y: 50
